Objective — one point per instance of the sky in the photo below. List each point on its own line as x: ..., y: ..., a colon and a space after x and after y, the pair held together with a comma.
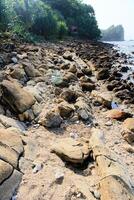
x: 114, y: 12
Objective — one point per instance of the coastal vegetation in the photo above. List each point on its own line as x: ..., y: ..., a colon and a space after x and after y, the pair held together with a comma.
x: 32, y: 19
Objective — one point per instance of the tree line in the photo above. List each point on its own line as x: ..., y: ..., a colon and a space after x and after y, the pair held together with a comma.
x: 48, y: 19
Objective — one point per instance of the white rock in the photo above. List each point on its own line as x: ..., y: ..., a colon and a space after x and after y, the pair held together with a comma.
x: 15, y: 60
x: 74, y: 135
x: 37, y: 167
x: 109, y: 123
x: 59, y: 175
x: 97, y: 194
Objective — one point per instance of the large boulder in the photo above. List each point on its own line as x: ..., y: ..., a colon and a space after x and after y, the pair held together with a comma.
x: 75, y: 151
x: 16, y: 97
x: 128, y: 130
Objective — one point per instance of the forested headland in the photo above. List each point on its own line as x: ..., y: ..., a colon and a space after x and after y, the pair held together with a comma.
x: 113, y: 33
x: 48, y: 19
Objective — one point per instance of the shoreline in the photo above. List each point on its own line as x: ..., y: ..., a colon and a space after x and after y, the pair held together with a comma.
x: 64, y: 91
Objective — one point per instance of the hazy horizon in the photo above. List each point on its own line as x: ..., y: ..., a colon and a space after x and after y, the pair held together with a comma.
x: 114, y: 12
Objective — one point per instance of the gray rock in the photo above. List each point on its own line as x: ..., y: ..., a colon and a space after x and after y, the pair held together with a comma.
x: 9, y: 122
x: 9, y: 186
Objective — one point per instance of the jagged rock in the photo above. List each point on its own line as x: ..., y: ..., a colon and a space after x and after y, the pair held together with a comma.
x: 18, y: 73
x: 79, y: 73
x: 87, y: 86
x: 83, y: 109
x: 9, y: 122
x: 73, y: 69
x: 58, y: 80
x: 86, y: 79
x: 128, y: 130
x: 5, y: 171
x: 50, y: 117
x: 87, y: 71
x: 16, y: 97
x: 30, y: 70
x: 75, y: 151
x: 113, y: 84
x: 104, y: 98
x: 117, y: 114
x: 11, y: 139
x: 65, y: 109
x: 27, y: 115
x: 65, y: 65
x: 69, y: 77
x: 10, y: 185
x: 69, y: 95
x: 68, y: 55
x: 102, y: 74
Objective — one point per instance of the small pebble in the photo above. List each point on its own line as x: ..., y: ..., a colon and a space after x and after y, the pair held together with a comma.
x: 109, y: 123
x: 97, y: 194
x: 37, y: 168
x: 59, y: 175
x: 74, y: 135
x: 15, y: 60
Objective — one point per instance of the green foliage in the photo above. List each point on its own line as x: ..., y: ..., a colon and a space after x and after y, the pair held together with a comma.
x: 77, y: 15
x: 49, y: 18
x: 113, y: 33
x: 62, y: 29
x: 44, y: 21
x: 3, y: 17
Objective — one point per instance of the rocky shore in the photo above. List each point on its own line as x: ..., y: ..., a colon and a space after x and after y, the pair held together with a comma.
x: 66, y: 122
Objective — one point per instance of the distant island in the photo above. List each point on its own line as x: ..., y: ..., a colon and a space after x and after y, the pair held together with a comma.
x: 113, y: 33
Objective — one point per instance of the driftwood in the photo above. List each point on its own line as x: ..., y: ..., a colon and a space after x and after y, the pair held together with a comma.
x: 114, y: 183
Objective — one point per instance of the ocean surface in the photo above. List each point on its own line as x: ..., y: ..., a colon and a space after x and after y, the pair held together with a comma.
x: 127, y: 47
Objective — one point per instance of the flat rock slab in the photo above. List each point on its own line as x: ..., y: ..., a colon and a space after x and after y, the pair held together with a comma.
x: 115, y: 182
x: 75, y: 151
x: 11, y: 139
x: 9, y: 186
x: 8, y: 155
x: 5, y: 171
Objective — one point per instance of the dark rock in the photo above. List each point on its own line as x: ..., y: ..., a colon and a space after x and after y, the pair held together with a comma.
x: 87, y: 86
x: 103, y: 74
